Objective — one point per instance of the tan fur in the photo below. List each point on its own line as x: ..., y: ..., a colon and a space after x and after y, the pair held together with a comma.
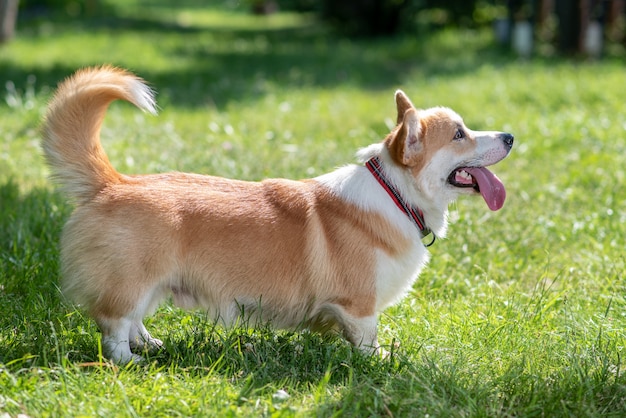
x: 296, y: 253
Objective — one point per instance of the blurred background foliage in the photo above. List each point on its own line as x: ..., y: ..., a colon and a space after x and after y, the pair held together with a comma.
x: 586, y: 27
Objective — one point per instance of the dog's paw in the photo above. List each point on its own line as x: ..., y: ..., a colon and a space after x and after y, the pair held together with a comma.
x: 146, y: 344
x: 136, y: 359
x: 153, y: 344
x: 126, y: 359
x: 382, y: 353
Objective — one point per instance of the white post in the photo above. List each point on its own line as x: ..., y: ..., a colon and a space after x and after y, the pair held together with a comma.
x: 523, y: 38
x: 8, y: 16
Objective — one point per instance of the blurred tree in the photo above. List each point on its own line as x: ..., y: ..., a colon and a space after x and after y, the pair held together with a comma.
x: 8, y: 16
x: 299, y: 5
x: 386, y: 17
x: 582, y: 24
x: 569, y: 14
x: 263, y: 7
x: 368, y: 17
x: 71, y: 8
x: 459, y: 11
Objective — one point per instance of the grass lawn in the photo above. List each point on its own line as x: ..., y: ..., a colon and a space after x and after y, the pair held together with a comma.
x: 521, y: 312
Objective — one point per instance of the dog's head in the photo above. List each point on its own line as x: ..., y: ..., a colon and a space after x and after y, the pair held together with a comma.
x: 444, y: 157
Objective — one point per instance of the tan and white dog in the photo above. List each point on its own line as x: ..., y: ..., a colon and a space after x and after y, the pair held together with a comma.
x: 328, y: 252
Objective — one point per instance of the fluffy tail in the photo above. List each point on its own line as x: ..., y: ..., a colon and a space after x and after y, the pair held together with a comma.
x: 71, y: 131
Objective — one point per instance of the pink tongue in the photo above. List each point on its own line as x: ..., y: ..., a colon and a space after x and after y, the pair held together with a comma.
x: 490, y: 186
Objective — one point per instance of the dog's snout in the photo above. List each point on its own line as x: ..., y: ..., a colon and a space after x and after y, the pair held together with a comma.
x: 508, y: 140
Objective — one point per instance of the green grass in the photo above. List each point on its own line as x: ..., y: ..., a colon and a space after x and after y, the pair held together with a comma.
x: 521, y: 312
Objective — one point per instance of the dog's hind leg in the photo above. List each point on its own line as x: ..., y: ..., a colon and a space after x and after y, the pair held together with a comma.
x: 123, y: 330
x: 139, y: 337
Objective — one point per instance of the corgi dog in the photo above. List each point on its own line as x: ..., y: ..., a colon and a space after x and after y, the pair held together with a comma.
x: 325, y: 253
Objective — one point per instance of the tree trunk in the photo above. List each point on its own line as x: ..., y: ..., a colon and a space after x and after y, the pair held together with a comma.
x: 8, y: 16
x: 570, y: 25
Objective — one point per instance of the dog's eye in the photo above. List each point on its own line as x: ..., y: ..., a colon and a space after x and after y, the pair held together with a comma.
x: 459, y: 134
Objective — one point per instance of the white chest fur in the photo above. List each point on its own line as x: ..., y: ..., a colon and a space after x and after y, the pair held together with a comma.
x: 395, y: 273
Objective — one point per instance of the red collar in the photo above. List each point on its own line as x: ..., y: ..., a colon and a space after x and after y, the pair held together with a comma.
x: 415, y: 214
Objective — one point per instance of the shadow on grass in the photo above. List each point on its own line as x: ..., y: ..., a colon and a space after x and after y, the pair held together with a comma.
x: 407, y: 384
x: 30, y: 225
x: 242, y: 63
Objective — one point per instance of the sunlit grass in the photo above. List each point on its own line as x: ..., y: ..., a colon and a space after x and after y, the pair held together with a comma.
x: 521, y: 312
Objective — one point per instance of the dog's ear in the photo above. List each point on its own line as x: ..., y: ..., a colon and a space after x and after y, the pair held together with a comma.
x: 412, y: 132
x: 405, y: 143
x: 403, y: 104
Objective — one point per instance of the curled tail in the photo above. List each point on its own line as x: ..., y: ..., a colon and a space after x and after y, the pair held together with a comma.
x: 71, y: 130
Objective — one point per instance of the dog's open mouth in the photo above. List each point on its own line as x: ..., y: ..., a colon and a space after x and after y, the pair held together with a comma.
x: 483, y: 181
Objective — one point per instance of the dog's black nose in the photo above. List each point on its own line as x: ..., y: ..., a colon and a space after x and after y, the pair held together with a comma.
x: 508, y: 140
